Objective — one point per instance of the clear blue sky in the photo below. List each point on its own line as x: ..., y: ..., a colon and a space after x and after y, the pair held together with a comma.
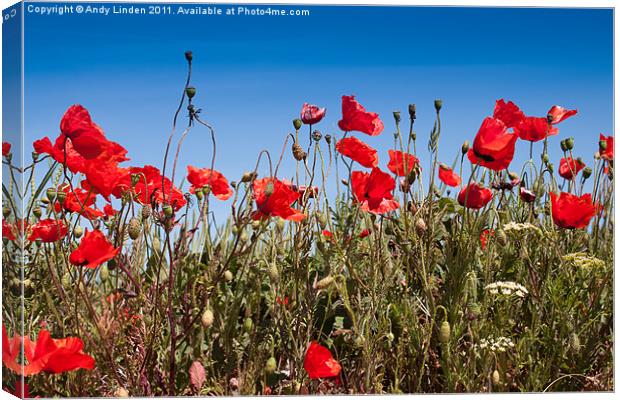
x: 254, y: 73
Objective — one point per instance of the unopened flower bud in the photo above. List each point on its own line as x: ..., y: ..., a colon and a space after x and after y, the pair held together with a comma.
x: 465, y: 147
x: 199, y: 194
x: 297, y: 124
x: 563, y: 145
x: 587, y: 172
x: 570, y: 143
x: 134, y: 228
x: 545, y: 158
x: 513, y: 176
x: 495, y: 378
x: 248, y: 177
x: 444, y: 332
x: 189, y: 56
x: 438, y: 105
x: 104, y: 273
x: 207, y: 318
x: 168, y: 211
x: 190, y: 92
x: 6, y: 211
x: 550, y: 167
x: 228, y: 276
x: 344, y: 182
x: 78, y: 231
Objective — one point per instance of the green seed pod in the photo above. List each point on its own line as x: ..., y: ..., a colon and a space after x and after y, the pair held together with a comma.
x: 168, y: 211
x: 248, y: 324
x: 134, y: 228
x: 207, y: 318
x: 545, y: 158
x: 563, y: 145
x: 190, y: 92
x: 78, y: 231
x: 104, y: 273
x: 146, y: 212
x: 495, y: 378
x: 444, y: 332
x: 570, y: 143
x: 61, y: 196
x: 324, y: 283
x: 297, y: 124
x: 411, y: 110
x: 51, y: 194
x: 396, y: 115
x: 199, y: 194
x: 6, y: 211
x: 438, y: 105
x: 272, y: 270
x: 228, y: 276
x: 602, y: 145
x: 550, y: 167
x: 587, y: 172
x: 271, y: 365
x: 36, y: 211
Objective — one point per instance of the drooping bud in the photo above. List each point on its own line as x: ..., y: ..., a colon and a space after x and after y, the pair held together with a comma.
x: 207, y: 318
x: 513, y: 176
x: 465, y: 147
x: 134, y: 228
x: 545, y: 158
x: 78, y: 231
x: 438, y: 105
x: 248, y: 177
x: 297, y: 124
x: 190, y: 92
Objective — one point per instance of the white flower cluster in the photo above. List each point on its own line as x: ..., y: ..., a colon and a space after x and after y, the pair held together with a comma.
x: 497, y: 345
x: 583, y: 260
x: 521, y: 227
x: 507, y: 289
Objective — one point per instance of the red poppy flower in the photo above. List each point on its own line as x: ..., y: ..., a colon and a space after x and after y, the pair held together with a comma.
x: 94, y: 250
x: 311, y: 114
x: 358, y: 151
x: 398, y: 160
x: 319, y: 362
x: 200, y: 178
x: 78, y: 201
x: 364, y: 233
x: 493, y: 146
x: 48, y: 230
x: 449, y: 177
x: 571, y: 211
x: 485, y: 236
x: 327, y: 234
x: 86, y: 136
x: 535, y: 129
x: 374, y: 191
x: 6, y: 149
x: 7, y: 230
x: 356, y: 118
x: 274, y: 198
x: 49, y: 355
x: 477, y: 196
x: 149, y: 189
x: 570, y: 167
x: 608, y: 153
x: 526, y: 195
x: 109, y: 211
x: 559, y: 114
x: 282, y: 301
x: 508, y: 113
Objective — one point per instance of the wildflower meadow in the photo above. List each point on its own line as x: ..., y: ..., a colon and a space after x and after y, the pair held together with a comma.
x: 354, y: 272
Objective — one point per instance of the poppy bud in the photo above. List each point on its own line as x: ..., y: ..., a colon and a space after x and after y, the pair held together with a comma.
x: 146, y: 212
x: 207, y: 318
x: 344, y: 182
x: 104, y: 273
x: 465, y: 147
x: 35, y: 156
x: 135, y: 178
x: 438, y: 104
x: 190, y: 92
x: 248, y: 324
x: 51, y: 194
x: 563, y: 145
x: 61, y: 196
x: 317, y: 136
x: 328, y: 138
x: 570, y: 143
x: 420, y: 227
x: 324, y: 283
x: 298, y: 152
x: 271, y: 365
x: 228, y: 276
x: 444, y: 332
x: 495, y: 378
x: 513, y: 176
x: 396, y: 117
x: 134, y: 228
x: 37, y: 211
x: 272, y: 271
x: 78, y: 232
x: 168, y: 211
x: 412, y: 111
x: 189, y: 56
x: 248, y: 177
x: 297, y: 124
x: 587, y: 171
x: 602, y: 145
x: 6, y: 211
x: 550, y: 167
x: 413, y: 136
x: 545, y: 158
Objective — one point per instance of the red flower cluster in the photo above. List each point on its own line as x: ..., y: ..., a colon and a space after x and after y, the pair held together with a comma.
x: 475, y: 196
x: 358, y: 151
x: 374, y: 191
x: 571, y: 211
x: 7, y: 230
x: 319, y: 362
x: 94, y: 250
x: 45, y: 355
x: 401, y: 163
x: 78, y: 201
x: 569, y: 167
x: 449, y: 177
x: 356, y: 118
x: 48, y: 231
x: 151, y: 188
x: 485, y: 236
x: 311, y: 114
x: 274, y: 198
x: 217, y: 183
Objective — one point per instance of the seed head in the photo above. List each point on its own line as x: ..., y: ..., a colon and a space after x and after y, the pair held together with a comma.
x: 207, y: 318
x: 134, y: 228
x: 297, y: 124
x: 317, y: 136
x: 602, y: 145
x: 78, y: 232
x: 146, y: 212
x: 298, y: 152
x: 564, y: 145
x: 438, y: 105
x: 570, y: 143
x: 396, y: 117
x: 190, y: 92
x: 587, y: 172
x: 328, y: 138
x: 168, y: 211
x: 37, y: 211
x: 51, y: 194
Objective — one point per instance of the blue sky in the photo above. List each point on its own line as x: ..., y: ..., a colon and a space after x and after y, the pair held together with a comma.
x: 253, y: 74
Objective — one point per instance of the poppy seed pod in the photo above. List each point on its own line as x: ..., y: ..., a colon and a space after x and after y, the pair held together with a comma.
x: 570, y: 143
x: 146, y: 212
x: 412, y: 111
x: 396, y: 117
x: 328, y: 138
x: 134, y: 228
x: 6, y: 211
x: 317, y: 136
x: 135, y: 178
x: 37, y: 211
x: 104, y: 273
x: 61, y: 196
x: 78, y: 232
x: 563, y: 145
x: 298, y: 152
x: 465, y: 147
x: 190, y: 92
x: 51, y: 194
x: 438, y: 105
x: 550, y: 167
x: 189, y: 56
x: 228, y: 276
x: 199, y: 194
x: 207, y: 318
x: 297, y: 124
x: 495, y: 378
x: 444, y: 332
x: 545, y: 158
x: 587, y: 172
x: 168, y: 211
